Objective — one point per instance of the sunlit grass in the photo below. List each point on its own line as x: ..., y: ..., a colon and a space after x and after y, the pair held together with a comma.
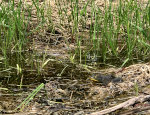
x: 16, y: 27
x: 114, y: 32
x: 121, y: 31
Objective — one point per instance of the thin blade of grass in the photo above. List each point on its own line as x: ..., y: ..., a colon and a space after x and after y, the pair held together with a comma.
x: 30, y: 97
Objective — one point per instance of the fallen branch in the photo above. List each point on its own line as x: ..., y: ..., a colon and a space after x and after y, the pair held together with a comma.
x: 125, y: 104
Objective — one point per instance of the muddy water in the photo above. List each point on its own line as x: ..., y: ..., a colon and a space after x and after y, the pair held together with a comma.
x: 67, y: 87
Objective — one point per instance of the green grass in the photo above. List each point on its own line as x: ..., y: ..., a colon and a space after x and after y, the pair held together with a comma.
x: 29, y: 98
x: 15, y: 22
x: 120, y: 33
x: 17, y: 29
x: 13, y: 29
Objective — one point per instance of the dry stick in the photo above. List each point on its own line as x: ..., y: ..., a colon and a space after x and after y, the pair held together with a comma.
x: 127, y: 103
x: 131, y: 112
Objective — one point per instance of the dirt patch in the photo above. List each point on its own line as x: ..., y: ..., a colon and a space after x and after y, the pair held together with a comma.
x: 134, y: 76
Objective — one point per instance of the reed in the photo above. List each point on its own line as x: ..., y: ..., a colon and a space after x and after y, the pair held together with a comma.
x: 121, y: 32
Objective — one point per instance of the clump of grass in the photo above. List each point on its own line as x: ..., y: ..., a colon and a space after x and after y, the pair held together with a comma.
x: 15, y: 22
x: 16, y: 29
x: 12, y: 27
x: 120, y: 32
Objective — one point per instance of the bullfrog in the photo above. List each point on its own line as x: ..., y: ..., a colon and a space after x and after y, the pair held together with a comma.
x: 106, y: 79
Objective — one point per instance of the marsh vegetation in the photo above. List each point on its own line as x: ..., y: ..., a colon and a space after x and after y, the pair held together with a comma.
x: 51, y: 48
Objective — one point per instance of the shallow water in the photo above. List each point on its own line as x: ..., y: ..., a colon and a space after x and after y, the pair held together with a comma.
x: 68, y: 88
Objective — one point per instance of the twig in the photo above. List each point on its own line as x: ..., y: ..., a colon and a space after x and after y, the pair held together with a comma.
x: 125, y: 104
x: 131, y: 112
